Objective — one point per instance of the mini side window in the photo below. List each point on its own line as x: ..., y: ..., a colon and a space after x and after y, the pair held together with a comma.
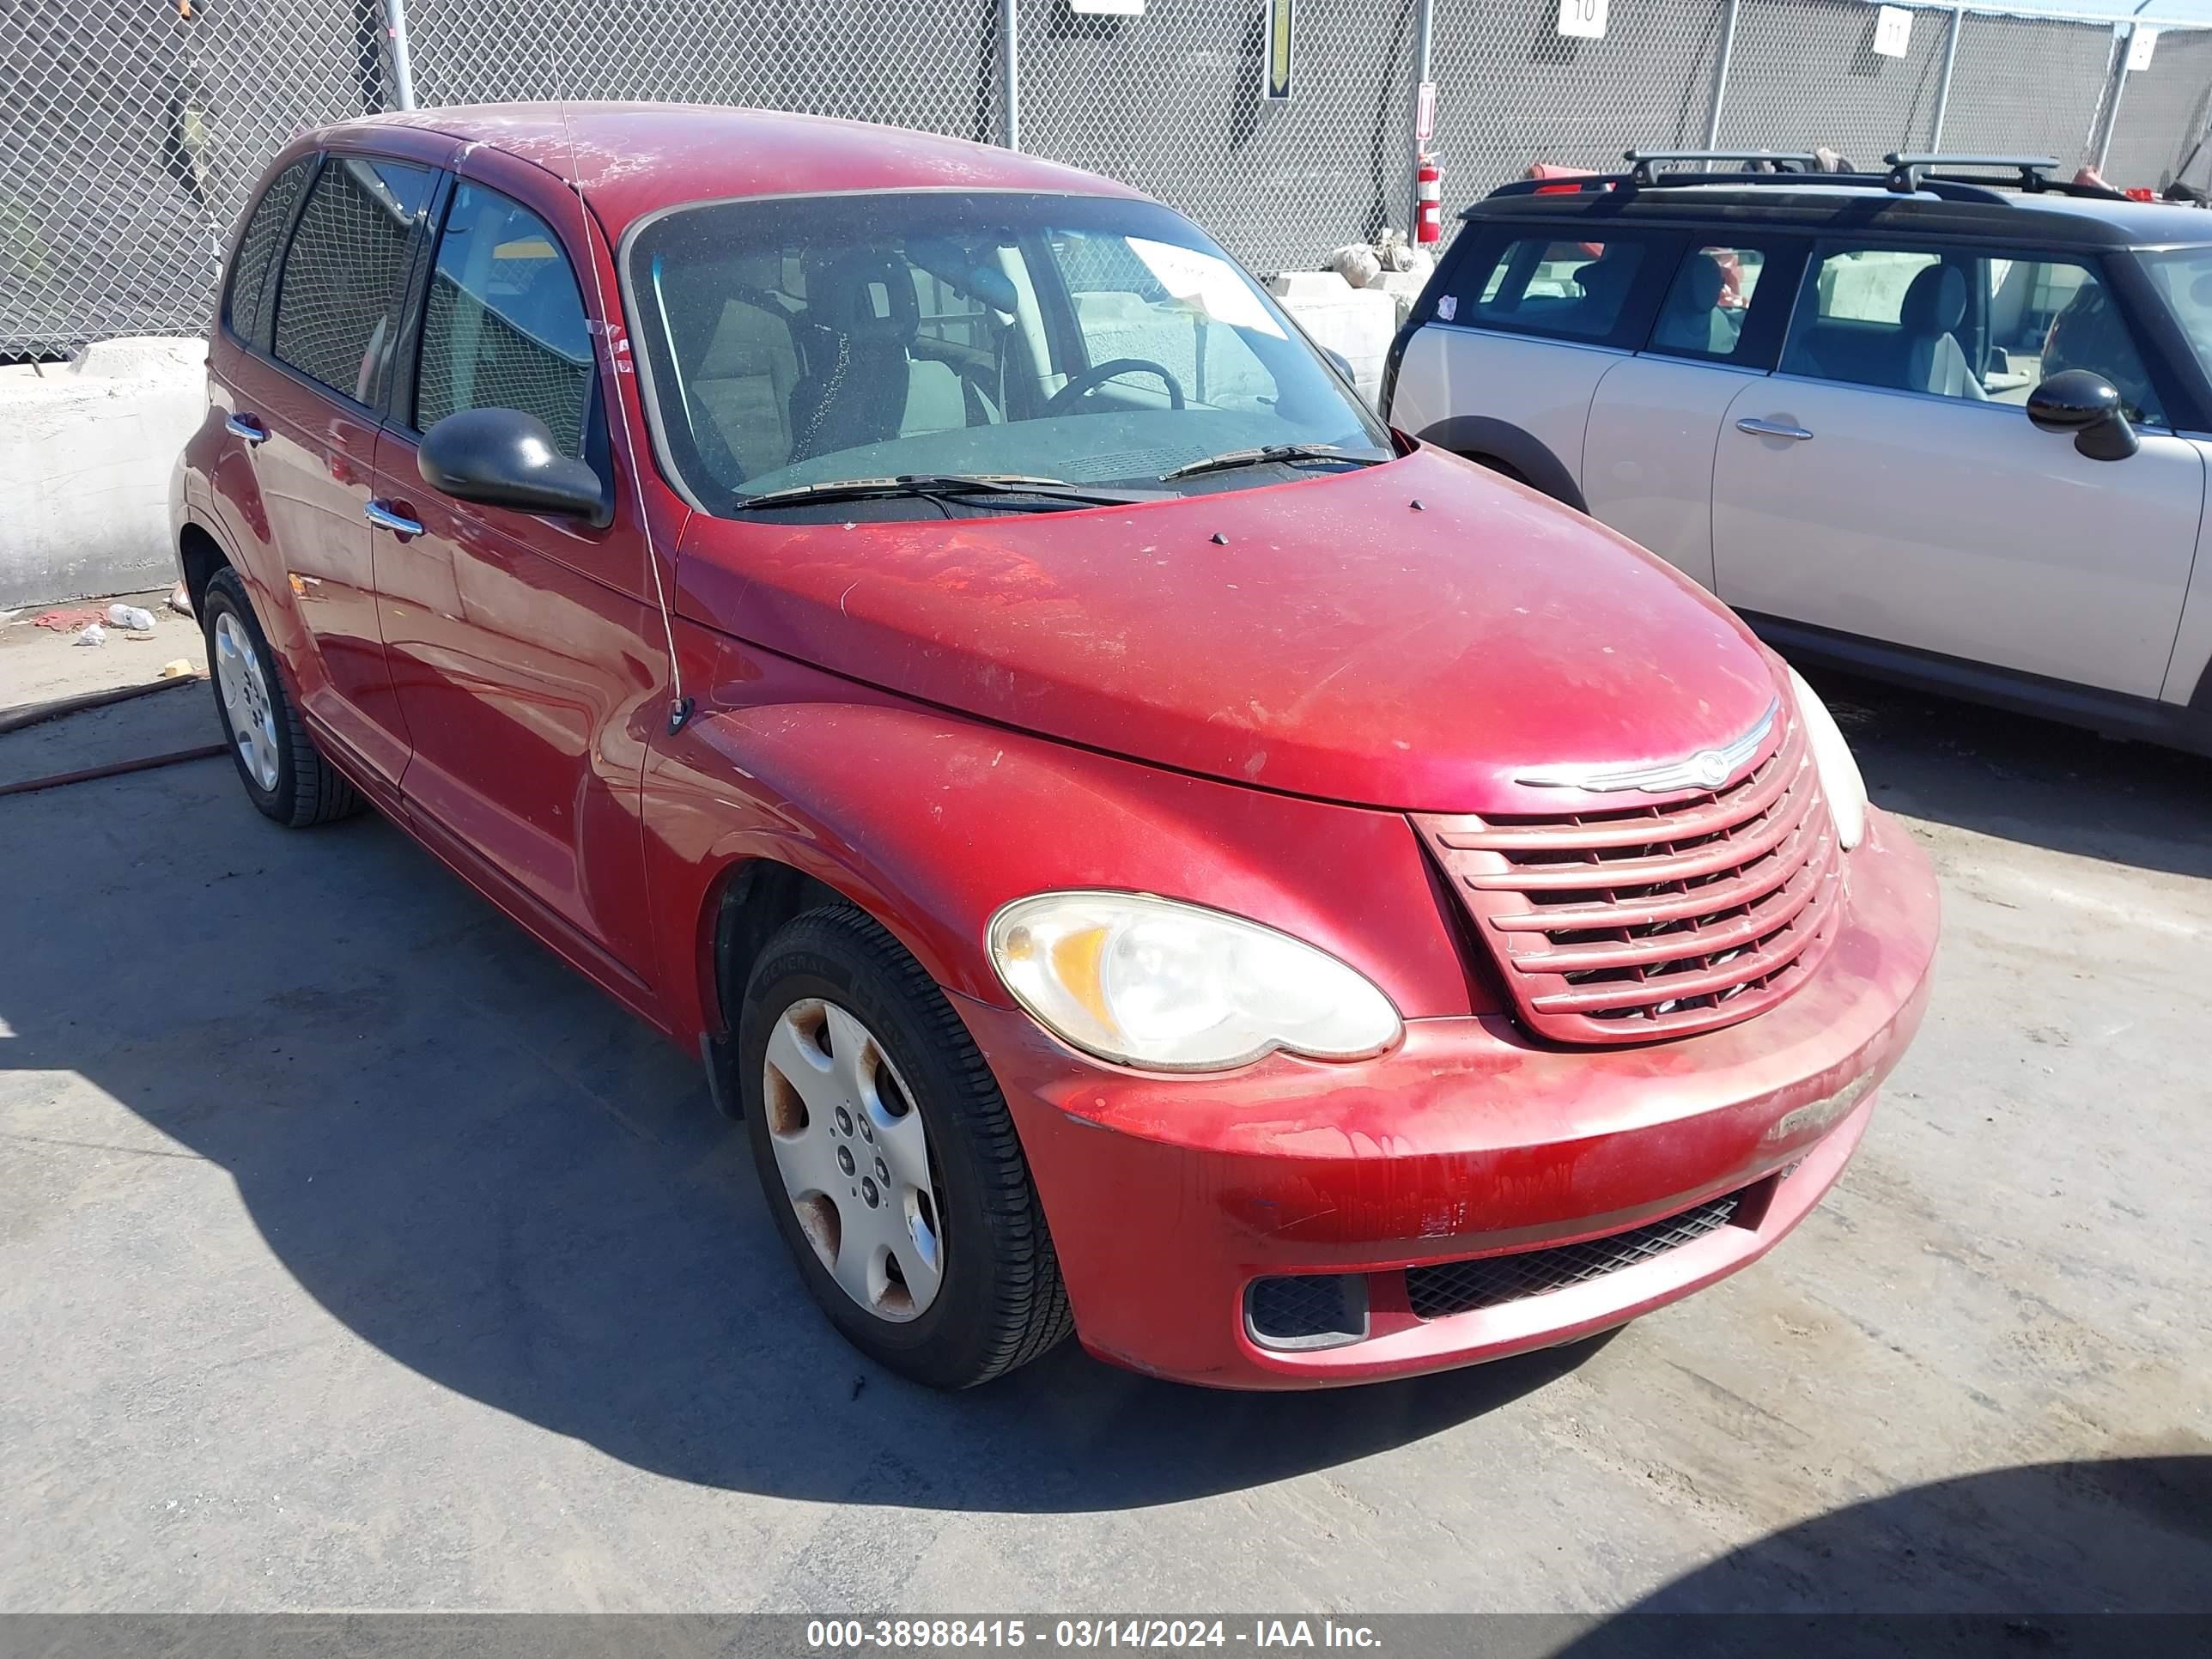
x: 1541, y: 284
x: 1703, y: 314
x: 257, y: 247
x: 1978, y: 327
x: 345, y: 275
x: 504, y: 327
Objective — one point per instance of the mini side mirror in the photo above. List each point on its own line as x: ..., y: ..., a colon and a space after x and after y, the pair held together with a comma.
x: 2087, y: 405
x: 504, y: 458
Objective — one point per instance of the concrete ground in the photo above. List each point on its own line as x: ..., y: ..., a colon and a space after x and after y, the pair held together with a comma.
x: 353, y: 1254
x: 38, y: 665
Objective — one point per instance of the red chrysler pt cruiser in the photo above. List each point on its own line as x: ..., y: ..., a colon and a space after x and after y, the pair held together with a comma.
x: 1147, y: 850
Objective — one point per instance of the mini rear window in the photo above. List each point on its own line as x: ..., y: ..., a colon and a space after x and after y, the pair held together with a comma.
x: 1547, y: 284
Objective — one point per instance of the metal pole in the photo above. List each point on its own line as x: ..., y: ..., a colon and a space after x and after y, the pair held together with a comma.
x: 1943, y: 90
x: 1720, y: 77
x: 403, y: 61
x: 1010, y: 71
x: 1424, y: 21
x: 2122, y: 46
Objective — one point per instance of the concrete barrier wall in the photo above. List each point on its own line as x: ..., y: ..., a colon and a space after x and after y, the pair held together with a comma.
x: 1357, y: 322
x: 85, y: 451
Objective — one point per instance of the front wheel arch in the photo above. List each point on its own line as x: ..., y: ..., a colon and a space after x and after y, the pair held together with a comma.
x: 1510, y: 450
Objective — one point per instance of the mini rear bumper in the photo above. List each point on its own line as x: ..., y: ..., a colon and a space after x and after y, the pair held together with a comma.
x: 1170, y: 1197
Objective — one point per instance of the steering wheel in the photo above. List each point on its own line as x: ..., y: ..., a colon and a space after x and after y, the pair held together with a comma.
x: 1082, y: 385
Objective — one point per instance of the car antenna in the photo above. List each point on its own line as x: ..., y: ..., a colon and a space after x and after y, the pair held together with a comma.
x: 618, y: 364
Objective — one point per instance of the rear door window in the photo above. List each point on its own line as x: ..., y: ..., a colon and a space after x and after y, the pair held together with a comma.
x: 344, y: 278
x: 1710, y: 306
x: 1542, y: 282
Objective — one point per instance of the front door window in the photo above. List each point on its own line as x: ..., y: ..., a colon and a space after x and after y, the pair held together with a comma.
x: 1981, y: 328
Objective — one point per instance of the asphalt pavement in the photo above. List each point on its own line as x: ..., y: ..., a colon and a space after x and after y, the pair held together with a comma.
x: 355, y: 1255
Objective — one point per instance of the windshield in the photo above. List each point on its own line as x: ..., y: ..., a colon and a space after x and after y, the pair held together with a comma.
x: 1087, y: 340
x: 2183, y: 277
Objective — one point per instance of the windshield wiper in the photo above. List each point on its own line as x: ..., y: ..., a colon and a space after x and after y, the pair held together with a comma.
x: 1270, y: 455
x: 930, y: 486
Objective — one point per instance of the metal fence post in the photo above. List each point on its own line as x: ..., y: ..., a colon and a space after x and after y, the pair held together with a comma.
x: 1943, y: 88
x: 1721, y: 76
x: 1010, y: 72
x: 1424, y: 27
x: 2123, y: 44
x: 403, y: 61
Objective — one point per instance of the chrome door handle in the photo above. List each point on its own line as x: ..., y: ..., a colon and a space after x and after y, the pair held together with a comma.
x: 380, y: 514
x: 246, y: 426
x: 1759, y: 429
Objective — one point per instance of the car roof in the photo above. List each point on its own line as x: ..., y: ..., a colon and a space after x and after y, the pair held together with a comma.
x: 631, y: 159
x: 2084, y: 221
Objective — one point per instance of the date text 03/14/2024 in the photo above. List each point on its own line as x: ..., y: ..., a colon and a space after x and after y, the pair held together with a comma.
x: 932, y: 1634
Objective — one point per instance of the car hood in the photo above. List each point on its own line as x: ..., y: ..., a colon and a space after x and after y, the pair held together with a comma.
x: 1419, y: 634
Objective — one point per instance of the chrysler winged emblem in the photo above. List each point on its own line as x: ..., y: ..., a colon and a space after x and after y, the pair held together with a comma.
x: 1709, y: 769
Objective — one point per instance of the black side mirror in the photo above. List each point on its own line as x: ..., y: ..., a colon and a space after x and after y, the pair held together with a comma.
x: 504, y: 458
x: 2084, y: 403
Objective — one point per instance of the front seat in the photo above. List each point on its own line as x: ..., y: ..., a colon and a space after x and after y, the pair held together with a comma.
x: 1692, y: 319
x: 862, y: 384
x: 1934, y: 305
x: 746, y: 374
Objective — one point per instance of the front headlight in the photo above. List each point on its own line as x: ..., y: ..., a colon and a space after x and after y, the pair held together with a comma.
x: 1839, y: 774
x: 1151, y: 982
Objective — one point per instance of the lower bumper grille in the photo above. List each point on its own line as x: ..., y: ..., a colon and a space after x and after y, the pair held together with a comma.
x: 1455, y: 1287
x: 1312, y: 1310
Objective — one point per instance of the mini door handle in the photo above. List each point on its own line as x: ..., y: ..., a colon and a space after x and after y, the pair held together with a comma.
x: 246, y: 427
x: 379, y: 513
x: 1759, y: 429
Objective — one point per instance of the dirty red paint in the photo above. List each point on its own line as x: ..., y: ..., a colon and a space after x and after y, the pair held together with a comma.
x: 935, y: 718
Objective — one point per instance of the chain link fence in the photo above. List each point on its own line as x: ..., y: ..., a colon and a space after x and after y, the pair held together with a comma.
x: 130, y: 130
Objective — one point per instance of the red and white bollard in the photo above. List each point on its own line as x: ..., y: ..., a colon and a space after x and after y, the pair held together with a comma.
x: 1428, y: 200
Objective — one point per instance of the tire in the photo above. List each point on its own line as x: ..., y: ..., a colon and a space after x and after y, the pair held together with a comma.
x: 999, y: 1302
x: 284, y: 773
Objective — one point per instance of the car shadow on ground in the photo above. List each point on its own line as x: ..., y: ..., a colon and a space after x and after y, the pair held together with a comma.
x: 2038, y: 1552
x: 476, y: 1162
x: 2026, y: 780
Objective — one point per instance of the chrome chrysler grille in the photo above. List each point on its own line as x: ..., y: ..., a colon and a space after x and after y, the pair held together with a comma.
x: 1652, y: 920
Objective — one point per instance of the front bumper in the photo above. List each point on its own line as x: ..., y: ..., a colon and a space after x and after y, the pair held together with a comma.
x: 1168, y: 1197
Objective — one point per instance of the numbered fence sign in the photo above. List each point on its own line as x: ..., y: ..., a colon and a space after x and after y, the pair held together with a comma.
x: 1584, y: 19
x: 1893, y: 32
x: 2141, y: 44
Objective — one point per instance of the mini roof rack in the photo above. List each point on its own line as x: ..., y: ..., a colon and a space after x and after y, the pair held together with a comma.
x: 1907, y: 175
x: 1640, y: 161
x: 1905, y: 171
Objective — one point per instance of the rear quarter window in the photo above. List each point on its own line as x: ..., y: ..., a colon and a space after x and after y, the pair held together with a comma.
x: 1555, y: 284
x: 257, y: 247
